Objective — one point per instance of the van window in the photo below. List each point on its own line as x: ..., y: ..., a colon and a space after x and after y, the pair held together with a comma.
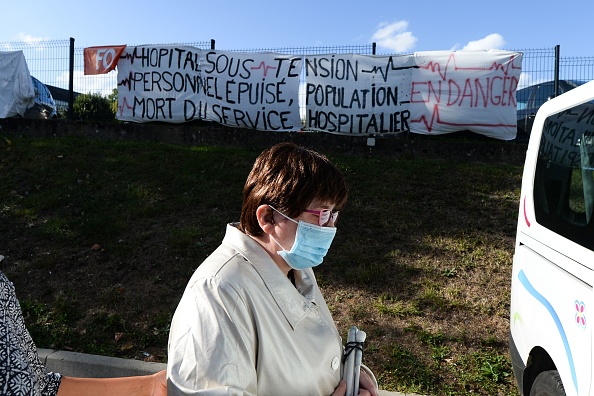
x: 544, y: 93
x: 564, y: 177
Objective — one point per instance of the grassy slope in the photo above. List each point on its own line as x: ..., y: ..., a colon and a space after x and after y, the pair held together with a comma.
x: 100, y: 239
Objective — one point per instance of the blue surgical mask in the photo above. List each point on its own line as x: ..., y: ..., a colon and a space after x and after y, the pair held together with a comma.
x: 310, y: 247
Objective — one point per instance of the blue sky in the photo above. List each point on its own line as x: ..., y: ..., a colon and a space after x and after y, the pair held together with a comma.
x: 395, y: 26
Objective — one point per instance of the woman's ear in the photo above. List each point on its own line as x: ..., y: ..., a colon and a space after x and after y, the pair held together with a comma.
x: 265, y: 216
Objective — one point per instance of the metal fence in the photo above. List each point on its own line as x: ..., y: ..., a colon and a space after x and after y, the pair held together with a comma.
x: 576, y: 68
x: 540, y: 65
x: 51, y: 62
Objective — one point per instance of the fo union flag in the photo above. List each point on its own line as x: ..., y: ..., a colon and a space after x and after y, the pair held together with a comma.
x: 101, y: 60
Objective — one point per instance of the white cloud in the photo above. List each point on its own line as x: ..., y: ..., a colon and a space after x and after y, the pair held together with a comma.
x: 27, y: 38
x: 394, y: 36
x: 22, y: 38
x: 492, y: 41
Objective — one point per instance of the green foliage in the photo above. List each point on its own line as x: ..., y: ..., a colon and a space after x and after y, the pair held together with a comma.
x: 93, y: 107
x: 406, y: 371
x: 113, y: 99
x: 485, y: 369
x: 388, y: 305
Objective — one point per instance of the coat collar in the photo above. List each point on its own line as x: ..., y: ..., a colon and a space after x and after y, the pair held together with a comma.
x: 295, y: 302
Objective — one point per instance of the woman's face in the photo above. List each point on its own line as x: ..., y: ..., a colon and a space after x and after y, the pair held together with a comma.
x: 288, y: 228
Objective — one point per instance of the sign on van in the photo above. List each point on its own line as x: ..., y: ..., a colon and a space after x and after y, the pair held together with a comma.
x: 562, y: 134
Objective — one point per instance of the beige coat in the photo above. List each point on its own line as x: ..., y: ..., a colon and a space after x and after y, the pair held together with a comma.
x: 242, y: 328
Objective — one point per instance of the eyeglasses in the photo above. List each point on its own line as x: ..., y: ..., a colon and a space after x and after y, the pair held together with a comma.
x: 324, y: 216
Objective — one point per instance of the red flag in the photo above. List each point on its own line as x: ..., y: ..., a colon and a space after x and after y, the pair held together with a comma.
x: 101, y: 60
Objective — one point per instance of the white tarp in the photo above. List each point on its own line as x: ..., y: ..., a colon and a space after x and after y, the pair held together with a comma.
x: 16, y: 87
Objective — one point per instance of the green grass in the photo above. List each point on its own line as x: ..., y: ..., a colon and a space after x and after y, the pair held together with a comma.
x: 101, y: 237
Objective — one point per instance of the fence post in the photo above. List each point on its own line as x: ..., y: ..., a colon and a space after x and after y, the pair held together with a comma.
x: 557, y: 57
x: 212, y: 44
x: 71, y: 81
x: 373, y: 48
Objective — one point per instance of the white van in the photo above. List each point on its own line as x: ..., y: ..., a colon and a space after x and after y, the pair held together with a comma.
x: 552, y: 298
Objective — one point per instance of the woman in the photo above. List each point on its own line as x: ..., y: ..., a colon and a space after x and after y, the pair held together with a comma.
x: 252, y: 319
x: 22, y: 373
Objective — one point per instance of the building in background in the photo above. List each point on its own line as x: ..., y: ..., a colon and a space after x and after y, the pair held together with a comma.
x: 61, y: 98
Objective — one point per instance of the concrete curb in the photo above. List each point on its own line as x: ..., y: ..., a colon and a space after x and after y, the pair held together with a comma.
x: 76, y: 364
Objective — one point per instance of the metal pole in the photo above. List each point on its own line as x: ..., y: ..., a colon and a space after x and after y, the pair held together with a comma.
x: 71, y: 81
x: 557, y: 51
x: 212, y: 44
x: 373, y: 48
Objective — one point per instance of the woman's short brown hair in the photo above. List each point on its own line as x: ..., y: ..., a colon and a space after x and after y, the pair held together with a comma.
x: 290, y: 177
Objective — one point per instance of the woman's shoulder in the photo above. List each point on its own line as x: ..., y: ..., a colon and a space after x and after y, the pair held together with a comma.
x: 225, y: 265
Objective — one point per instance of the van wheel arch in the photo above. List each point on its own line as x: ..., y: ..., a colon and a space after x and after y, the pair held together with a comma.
x: 539, y: 361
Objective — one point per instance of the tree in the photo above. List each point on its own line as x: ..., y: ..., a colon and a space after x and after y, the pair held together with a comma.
x: 113, y: 99
x: 93, y: 107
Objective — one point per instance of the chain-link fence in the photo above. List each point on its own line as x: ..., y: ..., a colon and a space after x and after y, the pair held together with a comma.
x: 51, y: 62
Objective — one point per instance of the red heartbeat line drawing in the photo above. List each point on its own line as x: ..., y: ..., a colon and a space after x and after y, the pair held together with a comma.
x: 436, y: 119
x: 263, y: 66
x: 124, y: 106
x: 504, y: 67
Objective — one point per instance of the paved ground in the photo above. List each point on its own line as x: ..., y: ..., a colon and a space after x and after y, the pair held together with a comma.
x: 84, y: 365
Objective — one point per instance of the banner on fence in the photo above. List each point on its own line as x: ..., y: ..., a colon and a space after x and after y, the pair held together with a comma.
x: 251, y: 90
x: 465, y: 90
x: 102, y: 60
x: 428, y: 93
x: 158, y: 83
x: 181, y: 83
x: 358, y: 94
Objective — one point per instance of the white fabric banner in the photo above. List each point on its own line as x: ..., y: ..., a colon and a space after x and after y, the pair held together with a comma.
x: 433, y: 92
x: 252, y: 90
x: 158, y: 83
x: 428, y: 93
x: 358, y: 94
x: 465, y: 90
x: 181, y: 83
x: 16, y: 88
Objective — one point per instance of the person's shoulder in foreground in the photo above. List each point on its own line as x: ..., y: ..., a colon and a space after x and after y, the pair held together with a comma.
x: 22, y: 373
